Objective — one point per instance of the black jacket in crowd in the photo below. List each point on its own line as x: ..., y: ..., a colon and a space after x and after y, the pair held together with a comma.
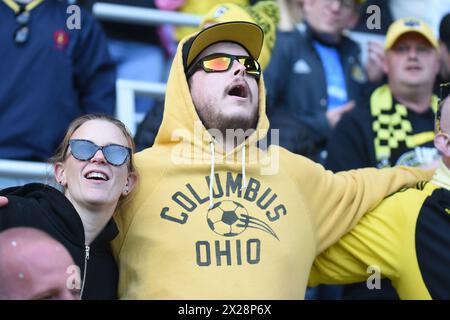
x: 297, y: 88
x: 352, y: 144
x: 45, y: 208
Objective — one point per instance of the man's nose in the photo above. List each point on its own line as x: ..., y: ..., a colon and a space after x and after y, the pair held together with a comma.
x: 412, y: 53
x: 336, y: 5
x: 238, y: 68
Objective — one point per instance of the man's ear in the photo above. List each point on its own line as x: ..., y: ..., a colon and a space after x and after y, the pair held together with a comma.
x: 60, y: 174
x: 442, y: 143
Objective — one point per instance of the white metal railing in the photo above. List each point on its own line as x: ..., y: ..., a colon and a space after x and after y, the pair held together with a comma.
x: 143, y: 16
x: 25, y: 169
x: 125, y: 93
x: 126, y: 90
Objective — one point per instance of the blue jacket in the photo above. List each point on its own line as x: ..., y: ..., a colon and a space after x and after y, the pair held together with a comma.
x: 297, y: 90
x: 55, y: 76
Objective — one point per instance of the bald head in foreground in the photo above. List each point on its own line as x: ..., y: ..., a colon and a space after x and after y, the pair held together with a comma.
x: 35, y: 266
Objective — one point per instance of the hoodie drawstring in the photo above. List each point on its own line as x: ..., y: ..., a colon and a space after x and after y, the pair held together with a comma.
x: 211, y: 177
x: 244, y: 179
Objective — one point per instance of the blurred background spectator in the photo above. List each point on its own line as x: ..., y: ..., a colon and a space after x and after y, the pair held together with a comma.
x: 429, y: 11
x: 51, y: 75
x: 315, y: 76
x: 291, y: 14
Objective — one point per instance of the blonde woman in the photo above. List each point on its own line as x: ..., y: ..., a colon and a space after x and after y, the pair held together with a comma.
x: 95, y: 168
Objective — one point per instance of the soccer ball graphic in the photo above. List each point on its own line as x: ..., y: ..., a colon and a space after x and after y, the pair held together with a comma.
x: 228, y: 218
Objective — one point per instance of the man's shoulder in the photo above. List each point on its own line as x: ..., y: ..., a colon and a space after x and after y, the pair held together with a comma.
x: 291, y: 163
x: 358, y: 117
x: 151, y: 157
x: 285, y: 154
x: 295, y: 39
x: 350, y: 43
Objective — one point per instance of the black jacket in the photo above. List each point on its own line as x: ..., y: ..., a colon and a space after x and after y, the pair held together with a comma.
x: 148, y: 128
x: 352, y: 143
x: 301, y: 93
x: 45, y: 208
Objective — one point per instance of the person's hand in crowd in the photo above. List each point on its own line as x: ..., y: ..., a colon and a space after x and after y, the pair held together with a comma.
x: 336, y: 114
x: 431, y: 166
x: 169, y: 4
x: 3, y: 201
x: 374, y: 65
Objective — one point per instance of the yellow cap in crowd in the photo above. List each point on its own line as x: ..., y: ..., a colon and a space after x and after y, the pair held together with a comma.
x: 407, y: 25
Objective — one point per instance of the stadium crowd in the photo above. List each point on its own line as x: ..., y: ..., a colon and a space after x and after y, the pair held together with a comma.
x: 336, y: 84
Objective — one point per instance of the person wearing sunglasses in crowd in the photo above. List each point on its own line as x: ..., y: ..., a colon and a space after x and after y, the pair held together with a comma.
x: 405, y: 239
x: 264, y: 13
x: 94, y: 166
x: 216, y: 214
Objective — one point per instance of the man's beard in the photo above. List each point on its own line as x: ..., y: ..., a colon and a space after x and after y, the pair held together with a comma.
x: 221, y: 122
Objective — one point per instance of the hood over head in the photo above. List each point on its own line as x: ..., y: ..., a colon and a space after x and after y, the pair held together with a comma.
x: 181, y: 128
x: 181, y: 123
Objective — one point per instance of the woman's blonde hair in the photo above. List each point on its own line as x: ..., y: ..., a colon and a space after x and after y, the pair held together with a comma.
x: 60, y: 154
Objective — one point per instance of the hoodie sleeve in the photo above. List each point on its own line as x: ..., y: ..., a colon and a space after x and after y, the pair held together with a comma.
x: 376, y: 242
x: 337, y: 201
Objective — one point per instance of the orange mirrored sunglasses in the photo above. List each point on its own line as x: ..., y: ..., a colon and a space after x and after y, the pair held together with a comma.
x: 221, y: 62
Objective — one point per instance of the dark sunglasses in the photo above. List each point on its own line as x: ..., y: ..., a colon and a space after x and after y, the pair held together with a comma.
x: 22, y: 33
x: 221, y: 62
x: 444, y: 92
x: 84, y: 150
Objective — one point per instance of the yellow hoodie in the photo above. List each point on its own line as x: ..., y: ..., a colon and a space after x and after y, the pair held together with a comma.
x: 258, y: 242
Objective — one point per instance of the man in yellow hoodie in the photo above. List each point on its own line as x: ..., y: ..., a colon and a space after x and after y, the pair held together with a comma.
x: 405, y: 239
x: 216, y: 219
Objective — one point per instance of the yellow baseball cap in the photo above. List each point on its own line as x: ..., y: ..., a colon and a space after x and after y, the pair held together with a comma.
x: 406, y: 25
x: 247, y: 34
x: 264, y: 13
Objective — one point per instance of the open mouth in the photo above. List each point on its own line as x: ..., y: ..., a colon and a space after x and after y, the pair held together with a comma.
x: 413, y: 68
x: 238, y: 90
x: 96, y: 176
